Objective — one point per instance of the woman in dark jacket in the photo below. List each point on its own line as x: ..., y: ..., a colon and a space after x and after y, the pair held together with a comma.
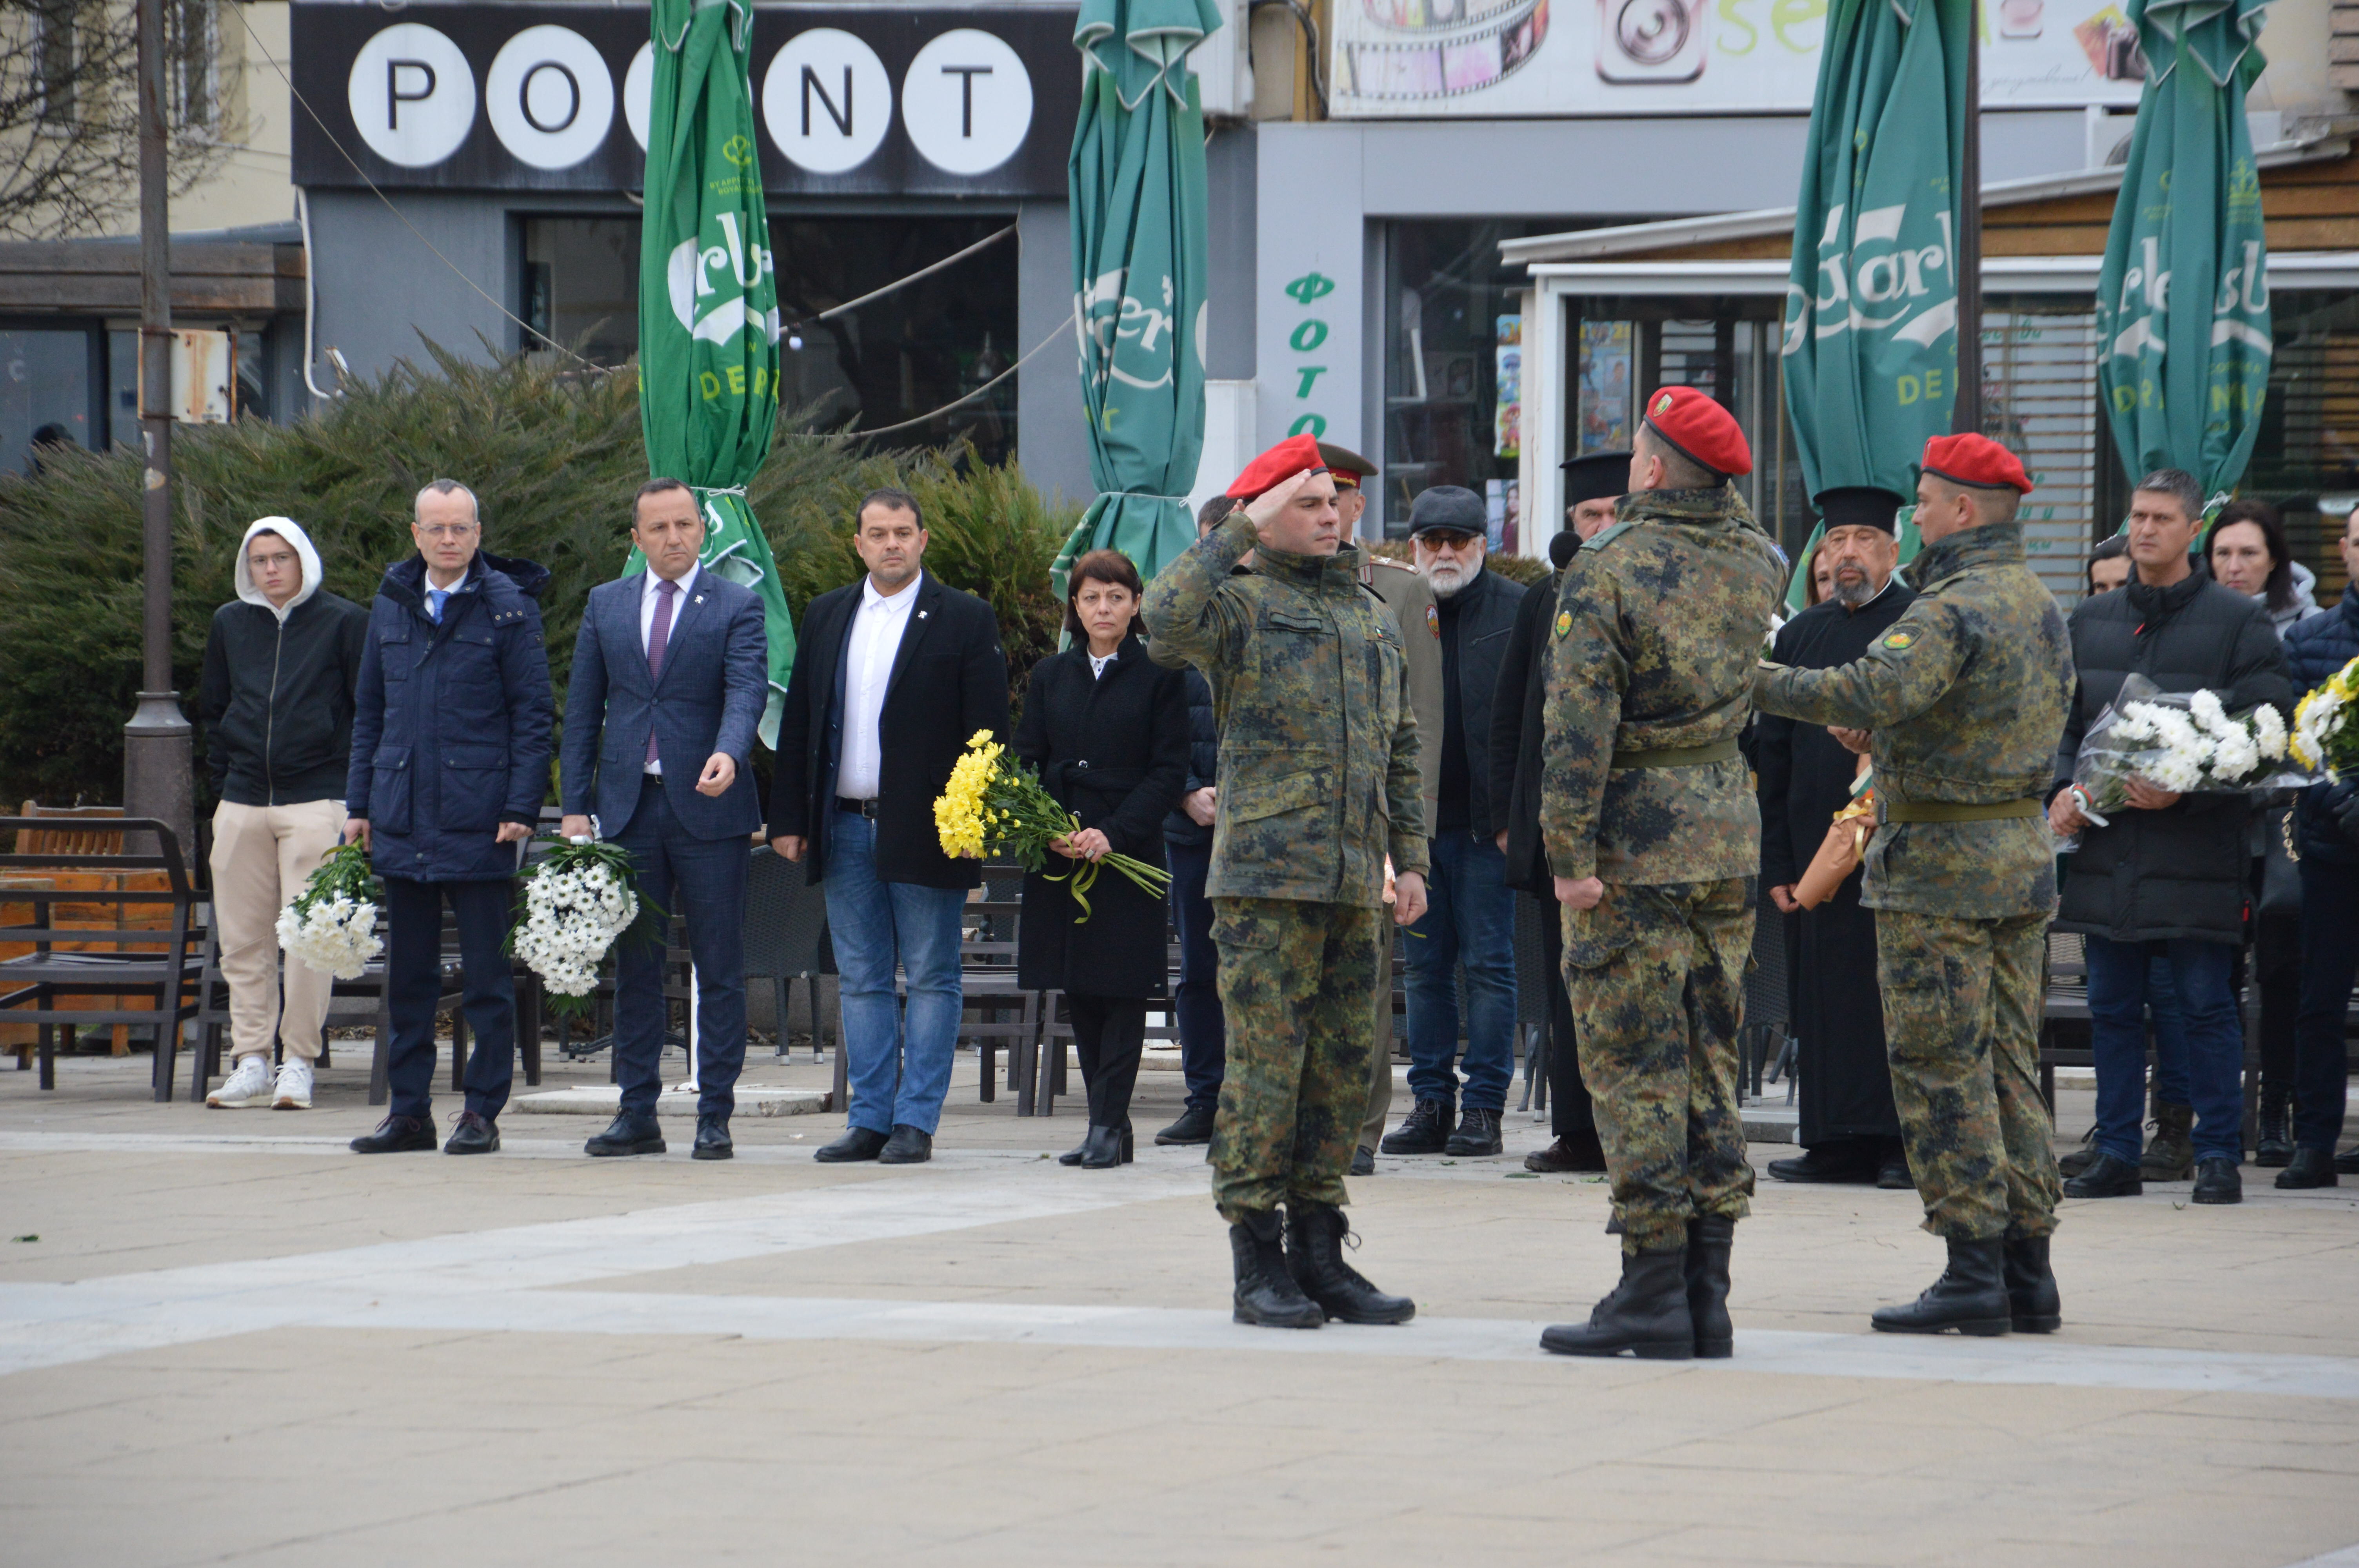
x: 1108, y: 730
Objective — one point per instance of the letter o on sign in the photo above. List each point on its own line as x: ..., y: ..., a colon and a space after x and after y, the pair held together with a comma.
x: 412, y: 96
x: 827, y: 101
x: 549, y: 97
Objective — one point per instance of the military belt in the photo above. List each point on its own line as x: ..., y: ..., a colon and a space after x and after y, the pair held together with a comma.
x: 1957, y: 811
x: 1678, y: 756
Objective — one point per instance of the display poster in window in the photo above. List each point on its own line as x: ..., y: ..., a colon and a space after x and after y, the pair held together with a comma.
x: 1604, y: 417
x: 1507, y: 425
x: 1427, y: 58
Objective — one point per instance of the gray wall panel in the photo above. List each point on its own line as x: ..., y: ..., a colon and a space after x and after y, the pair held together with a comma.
x: 380, y: 289
x: 1051, y: 433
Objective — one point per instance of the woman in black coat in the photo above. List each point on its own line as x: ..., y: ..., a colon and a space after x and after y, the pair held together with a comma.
x: 1108, y: 730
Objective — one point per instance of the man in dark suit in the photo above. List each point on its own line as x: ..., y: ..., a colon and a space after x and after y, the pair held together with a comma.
x: 668, y: 684
x: 892, y: 676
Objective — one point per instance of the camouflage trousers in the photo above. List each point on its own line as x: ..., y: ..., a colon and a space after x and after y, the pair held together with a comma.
x: 1295, y: 978
x: 1657, y: 975
x: 1961, y: 1004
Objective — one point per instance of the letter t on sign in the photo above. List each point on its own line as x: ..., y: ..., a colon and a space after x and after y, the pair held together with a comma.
x: 966, y: 75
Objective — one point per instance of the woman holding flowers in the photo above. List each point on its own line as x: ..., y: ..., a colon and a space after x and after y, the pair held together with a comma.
x: 1107, y: 729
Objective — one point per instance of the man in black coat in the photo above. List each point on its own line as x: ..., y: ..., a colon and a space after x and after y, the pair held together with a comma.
x: 1850, y: 1130
x: 1519, y: 710
x: 2169, y: 873
x: 891, y: 676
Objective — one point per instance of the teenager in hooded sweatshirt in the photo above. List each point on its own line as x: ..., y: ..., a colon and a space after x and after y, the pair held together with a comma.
x: 280, y: 667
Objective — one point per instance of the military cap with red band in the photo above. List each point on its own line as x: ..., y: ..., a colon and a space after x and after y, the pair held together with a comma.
x: 1277, y: 465
x: 1975, y: 462
x: 1700, y: 430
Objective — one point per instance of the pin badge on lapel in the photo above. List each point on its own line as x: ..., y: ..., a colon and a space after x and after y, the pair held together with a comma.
x: 923, y: 613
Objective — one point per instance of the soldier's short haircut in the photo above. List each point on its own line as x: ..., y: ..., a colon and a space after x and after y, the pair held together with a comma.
x: 448, y: 487
x: 1993, y: 503
x: 654, y: 486
x: 892, y: 500
x: 1215, y: 510
x: 2179, y: 485
x: 1680, y: 471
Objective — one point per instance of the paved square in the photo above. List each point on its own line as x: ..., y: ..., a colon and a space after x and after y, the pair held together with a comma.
x: 233, y: 1341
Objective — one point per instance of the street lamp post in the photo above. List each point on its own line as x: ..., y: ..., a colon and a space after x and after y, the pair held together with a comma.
x: 156, y: 763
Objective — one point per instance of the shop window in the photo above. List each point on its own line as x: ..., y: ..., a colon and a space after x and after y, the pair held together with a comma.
x: 2039, y: 400
x: 45, y: 393
x: 2306, y: 460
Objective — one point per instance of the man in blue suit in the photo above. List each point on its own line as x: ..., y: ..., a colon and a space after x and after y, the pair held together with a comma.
x: 668, y: 684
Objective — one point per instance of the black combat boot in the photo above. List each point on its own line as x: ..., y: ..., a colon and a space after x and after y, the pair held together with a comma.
x: 1710, y: 1236
x: 2032, y: 1303
x: 1267, y: 1294
x: 1477, y: 1134
x: 1970, y: 1296
x: 2169, y: 1155
x: 1425, y: 1131
x: 1314, y: 1255
x: 2276, y: 1146
x: 2307, y: 1168
x: 1645, y: 1314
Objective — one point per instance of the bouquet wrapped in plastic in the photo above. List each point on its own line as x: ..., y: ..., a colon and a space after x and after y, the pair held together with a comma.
x: 995, y: 806
x: 576, y: 903
x: 2326, y: 725
x: 2184, y: 742
x: 1845, y: 844
x: 331, y: 924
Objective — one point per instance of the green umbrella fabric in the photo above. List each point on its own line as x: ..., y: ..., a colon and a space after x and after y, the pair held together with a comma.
x: 709, y: 301
x: 1136, y: 179
x: 2185, y: 387
x: 1871, y: 345
x: 1797, y: 582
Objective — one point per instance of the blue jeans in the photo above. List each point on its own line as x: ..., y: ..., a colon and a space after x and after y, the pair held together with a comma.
x: 413, y: 982
x: 702, y: 880
x: 2169, y: 1024
x: 1470, y: 917
x: 873, y: 923
x: 2119, y: 977
x: 1196, y: 999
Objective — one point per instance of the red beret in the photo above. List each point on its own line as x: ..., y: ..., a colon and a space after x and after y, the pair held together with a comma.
x: 1700, y: 430
x: 1976, y: 461
x: 1277, y: 465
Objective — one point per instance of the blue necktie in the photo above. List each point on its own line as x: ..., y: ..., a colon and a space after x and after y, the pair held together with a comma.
x: 435, y: 600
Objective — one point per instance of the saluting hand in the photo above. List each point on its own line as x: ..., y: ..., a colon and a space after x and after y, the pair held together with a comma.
x: 1265, y: 508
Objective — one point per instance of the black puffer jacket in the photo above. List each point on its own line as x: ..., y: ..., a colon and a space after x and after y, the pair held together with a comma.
x: 1203, y: 761
x: 2182, y: 871
x: 276, y: 694
x: 1485, y: 613
x: 2316, y: 648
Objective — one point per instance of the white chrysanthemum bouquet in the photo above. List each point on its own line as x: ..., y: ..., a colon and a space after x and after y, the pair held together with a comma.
x: 2326, y: 725
x: 576, y: 903
x: 2184, y: 742
x: 331, y: 924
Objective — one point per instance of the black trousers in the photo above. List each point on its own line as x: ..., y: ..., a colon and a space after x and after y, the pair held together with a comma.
x: 1570, y: 1110
x: 2330, y: 956
x: 1109, y: 1032
x: 413, y: 979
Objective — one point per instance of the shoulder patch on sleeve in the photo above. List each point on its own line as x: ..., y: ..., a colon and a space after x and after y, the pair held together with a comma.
x: 1433, y: 622
x: 1601, y: 540
x: 1564, y: 623
x: 1900, y: 641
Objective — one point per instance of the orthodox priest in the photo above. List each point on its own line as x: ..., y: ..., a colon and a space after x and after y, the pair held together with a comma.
x: 1850, y: 1131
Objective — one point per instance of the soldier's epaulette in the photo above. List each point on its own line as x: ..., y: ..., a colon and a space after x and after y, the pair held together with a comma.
x: 1601, y: 540
x: 1938, y: 587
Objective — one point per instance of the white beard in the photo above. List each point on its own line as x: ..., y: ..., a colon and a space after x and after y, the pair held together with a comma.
x: 1447, y: 577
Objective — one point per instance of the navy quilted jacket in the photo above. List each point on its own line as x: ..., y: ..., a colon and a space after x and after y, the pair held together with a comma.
x: 2316, y: 648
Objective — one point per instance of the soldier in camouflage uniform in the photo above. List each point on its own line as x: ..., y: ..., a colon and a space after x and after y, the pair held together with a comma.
x: 1965, y: 694
x: 1319, y: 782
x: 1653, y: 835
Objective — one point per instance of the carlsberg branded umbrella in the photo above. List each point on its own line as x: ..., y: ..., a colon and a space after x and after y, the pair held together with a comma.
x: 1136, y: 184
x: 2184, y: 386
x: 1870, y: 345
x: 708, y: 300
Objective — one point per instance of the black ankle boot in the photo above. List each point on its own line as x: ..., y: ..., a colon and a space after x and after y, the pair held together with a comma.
x: 1314, y: 1255
x: 1645, y: 1314
x: 1424, y: 1131
x: 1710, y: 1236
x: 1267, y: 1294
x: 2033, y: 1304
x: 2307, y: 1168
x: 2275, y: 1147
x: 1104, y: 1148
x: 1970, y: 1296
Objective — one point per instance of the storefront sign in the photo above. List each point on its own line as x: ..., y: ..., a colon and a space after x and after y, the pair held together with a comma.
x: 854, y: 100
x: 1494, y: 58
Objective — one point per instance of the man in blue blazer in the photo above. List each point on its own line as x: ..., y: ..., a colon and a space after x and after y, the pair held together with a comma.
x: 669, y: 677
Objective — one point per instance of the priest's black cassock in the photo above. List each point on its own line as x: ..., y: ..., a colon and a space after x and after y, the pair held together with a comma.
x: 1806, y: 776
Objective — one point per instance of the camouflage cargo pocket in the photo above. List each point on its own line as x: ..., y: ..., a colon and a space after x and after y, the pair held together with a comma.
x: 1591, y: 936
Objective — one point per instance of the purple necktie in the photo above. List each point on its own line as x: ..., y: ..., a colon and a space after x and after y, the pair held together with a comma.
x: 658, y: 635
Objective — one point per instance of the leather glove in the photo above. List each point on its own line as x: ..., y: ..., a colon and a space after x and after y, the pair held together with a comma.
x: 2341, y: 804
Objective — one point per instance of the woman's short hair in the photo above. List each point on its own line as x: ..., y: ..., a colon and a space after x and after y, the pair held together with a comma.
x: 2107, y: 549
x: 2278, y: 592
x: 1099, y: 566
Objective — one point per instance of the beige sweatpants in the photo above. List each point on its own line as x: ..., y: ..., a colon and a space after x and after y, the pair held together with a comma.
x: 262, y: 857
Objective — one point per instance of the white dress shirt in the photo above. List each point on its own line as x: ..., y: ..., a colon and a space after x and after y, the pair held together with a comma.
x: 651, y: 595
x: 876, y: 630
x: 1098, y: 664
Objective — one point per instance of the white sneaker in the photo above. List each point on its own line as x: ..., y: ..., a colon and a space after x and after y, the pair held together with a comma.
x: 245, y: 1088
x: 294, y: 1090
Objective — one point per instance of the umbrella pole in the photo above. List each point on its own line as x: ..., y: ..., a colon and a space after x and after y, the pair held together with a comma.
x: 1967, y: 416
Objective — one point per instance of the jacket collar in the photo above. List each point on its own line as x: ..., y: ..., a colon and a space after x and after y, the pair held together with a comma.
x: 1984, y: 545
x: 2161, y: 603
x: 494, y: 576
x: 1707, y: 504
x: 1336, y: 573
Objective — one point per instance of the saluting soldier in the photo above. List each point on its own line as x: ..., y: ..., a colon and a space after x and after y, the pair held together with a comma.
x: 1965, y: 696
x: 1319, y: 783
x: 1653, y: 835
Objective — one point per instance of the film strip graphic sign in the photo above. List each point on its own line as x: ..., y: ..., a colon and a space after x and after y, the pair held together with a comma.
x: 1405, y: 51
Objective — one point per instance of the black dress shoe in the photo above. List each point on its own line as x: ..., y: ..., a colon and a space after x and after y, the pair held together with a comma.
x: 2107, y: 1176
x: 1194, y: 1126
x: 2033, y: 1303
x: 1425, y: 1131
x: 1893, y: 1174
x: 632, y: 1132
x: 1575, y: 1152
x: 859, y: 1144
x: 907, y: 1146
x: 1314, y: 1255
x: 397, y: 1135
x: 2348, y: 1161
x: 2307, y: 1168
x: 1970, y: 1296
x: 1477, y: 1134
x: 1106, y: 1147
x: 1646, y: 1313
x: 713, y: 1140
x: 2217, y: 1180
x: 1364, y: 1160
x: 1850, y: 1161
x: 472, y: 1134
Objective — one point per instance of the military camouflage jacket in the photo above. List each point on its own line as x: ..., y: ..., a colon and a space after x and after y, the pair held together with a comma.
x: 1965, y: 694
x: 1658, y: 621
x: 1318, y: 747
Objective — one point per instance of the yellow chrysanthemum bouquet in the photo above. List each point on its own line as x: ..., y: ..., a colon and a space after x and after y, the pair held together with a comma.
x: 994, y: 804
x: 2326, y: 724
